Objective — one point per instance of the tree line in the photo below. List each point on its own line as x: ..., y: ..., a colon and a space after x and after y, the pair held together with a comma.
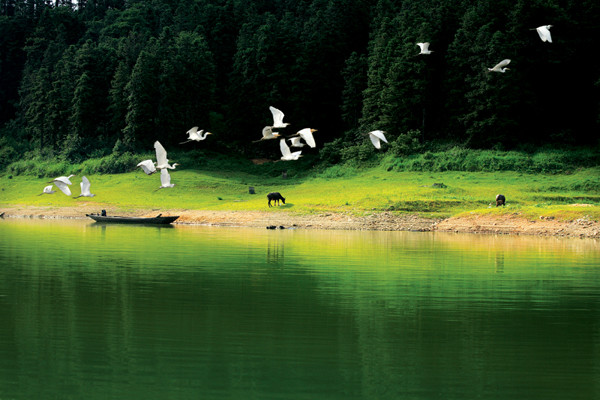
x: 90, y: 78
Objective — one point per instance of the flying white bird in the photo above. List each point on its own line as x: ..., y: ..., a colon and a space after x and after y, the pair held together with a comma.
x: 196, y: 135
x: 162, y: 161
x: 307, y: 135
x: 85, y: 188
x: 295, y: 141
x: 287, y: 155
x: 268, y: 133
x: 64, y: 179
x: 63, y: 182
x: 500, y: 66
x: 376, y: 138
x: 544, y: 32
x: 147, y: 166
x: 424, y: 48
x: 47, y: 190
x: 277, y: 118
x: 165, y: 179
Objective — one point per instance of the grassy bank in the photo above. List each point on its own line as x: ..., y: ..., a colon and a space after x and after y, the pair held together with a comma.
x: 348, y: 189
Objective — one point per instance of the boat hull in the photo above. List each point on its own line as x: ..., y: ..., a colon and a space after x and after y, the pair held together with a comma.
x: 133, y: 220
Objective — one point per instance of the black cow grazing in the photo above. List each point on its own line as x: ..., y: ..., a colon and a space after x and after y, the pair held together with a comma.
x: 275, y: 197
x: 500, y: 200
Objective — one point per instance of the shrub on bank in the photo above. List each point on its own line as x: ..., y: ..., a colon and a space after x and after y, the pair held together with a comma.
x: 344, y: 160
x: 461, y: 159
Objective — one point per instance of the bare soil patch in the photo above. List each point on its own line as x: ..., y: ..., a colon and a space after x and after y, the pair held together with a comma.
x: 516, y: 224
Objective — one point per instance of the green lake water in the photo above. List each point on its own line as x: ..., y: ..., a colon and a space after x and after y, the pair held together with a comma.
x: 90, y: 311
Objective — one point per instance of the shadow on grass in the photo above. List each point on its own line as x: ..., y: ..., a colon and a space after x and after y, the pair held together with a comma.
x: 286, y: 205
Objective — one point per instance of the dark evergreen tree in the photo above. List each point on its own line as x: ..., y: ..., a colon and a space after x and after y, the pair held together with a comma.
x: 143, y: 97
x: 187, y: 86
x: 355, y: 82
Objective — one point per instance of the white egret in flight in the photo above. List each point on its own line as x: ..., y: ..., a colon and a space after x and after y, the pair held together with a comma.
x: 307, y: 135
x: 47, y: 190
x: 63, y: 182
x: 500, y: 67
x: 64, y: 179
x: 287, y: 155
x: 165, y: 179
x: 147, y: 166
x: 277, y: 118
x: 268, y: 133
x: 85, y: 188
x: 162, y: 161
x: 295, y: 141
x: 424, y: 48
x: 544, y: 32
x: 196, y: 135
x: 376, y: 138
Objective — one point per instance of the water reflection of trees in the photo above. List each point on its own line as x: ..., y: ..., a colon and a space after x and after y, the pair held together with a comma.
x: 275, y: 251
x: 376, y: 314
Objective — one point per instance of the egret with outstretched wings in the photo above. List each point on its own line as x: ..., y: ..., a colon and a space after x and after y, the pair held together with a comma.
x: 377, y: 137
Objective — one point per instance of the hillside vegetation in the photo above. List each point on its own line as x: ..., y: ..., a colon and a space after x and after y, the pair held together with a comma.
x: 92, y: 79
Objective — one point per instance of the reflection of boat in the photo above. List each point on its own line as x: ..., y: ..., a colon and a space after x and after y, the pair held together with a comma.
x: 158, y: 220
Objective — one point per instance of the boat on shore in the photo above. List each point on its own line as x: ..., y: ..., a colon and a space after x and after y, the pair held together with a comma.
x: 114, y: 219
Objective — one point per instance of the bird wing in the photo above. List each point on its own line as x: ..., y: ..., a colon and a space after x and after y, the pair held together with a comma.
x: 192, y: 132
x: 48, y: 189
x: 502, y: 64
x: 424, y: 46
x: 63, y: 187
x: 277, y: 117
x: 375, y: 140
x: 161, y: 154
x: 165, y: 178
x: 307, y: 135
x: 544, y: 33
x: 85, y: 185
x: 285, y: 150
x: 63, y: 179
x: 147, y: 166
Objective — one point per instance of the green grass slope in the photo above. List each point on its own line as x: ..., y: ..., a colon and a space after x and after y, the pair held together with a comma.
x: 342, y: 188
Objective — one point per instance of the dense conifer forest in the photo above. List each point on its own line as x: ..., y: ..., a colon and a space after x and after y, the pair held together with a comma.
x: 99, y: 77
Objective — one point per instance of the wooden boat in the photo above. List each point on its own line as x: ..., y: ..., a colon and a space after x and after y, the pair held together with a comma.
x: 158, y: 220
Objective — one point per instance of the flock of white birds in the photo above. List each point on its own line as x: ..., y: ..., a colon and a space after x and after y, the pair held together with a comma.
x: 63, y: 183
x: 543, y: 31
x: 298, y: 140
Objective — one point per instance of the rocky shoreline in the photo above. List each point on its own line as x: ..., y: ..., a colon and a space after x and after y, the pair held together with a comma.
x: 511, y: 224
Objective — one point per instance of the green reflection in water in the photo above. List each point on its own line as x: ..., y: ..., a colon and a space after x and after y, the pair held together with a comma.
x: 100, y: 311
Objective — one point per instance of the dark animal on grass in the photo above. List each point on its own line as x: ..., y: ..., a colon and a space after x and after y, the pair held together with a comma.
x: 275, y: 197
x: 500, y: 200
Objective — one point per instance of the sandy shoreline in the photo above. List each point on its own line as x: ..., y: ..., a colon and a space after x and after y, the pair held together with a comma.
x: 383, y: 221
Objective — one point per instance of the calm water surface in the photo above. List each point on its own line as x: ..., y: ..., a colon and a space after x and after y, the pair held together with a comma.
x: 91, y: 311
